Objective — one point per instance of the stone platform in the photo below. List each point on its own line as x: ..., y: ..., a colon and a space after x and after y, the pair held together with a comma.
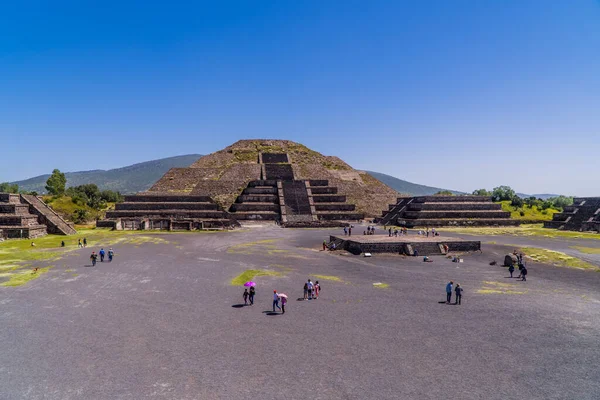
x: 425, y: 246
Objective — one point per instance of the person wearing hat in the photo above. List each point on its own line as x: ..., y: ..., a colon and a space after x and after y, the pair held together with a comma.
x: 94, y: 257
x: 275, y: 300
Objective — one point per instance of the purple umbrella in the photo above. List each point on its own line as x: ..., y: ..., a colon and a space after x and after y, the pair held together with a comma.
x: 250, y: 283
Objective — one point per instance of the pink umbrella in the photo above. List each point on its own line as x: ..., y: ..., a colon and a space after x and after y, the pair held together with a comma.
x: 282, y: 295
x: 250, y: 283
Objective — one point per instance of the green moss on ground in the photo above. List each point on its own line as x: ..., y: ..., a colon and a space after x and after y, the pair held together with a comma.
x: 529, y: 214
x: 587, y: 250
x: 21, y: 278
x: 523, y: 230
x: 556, y: 258
x: 251, y: 274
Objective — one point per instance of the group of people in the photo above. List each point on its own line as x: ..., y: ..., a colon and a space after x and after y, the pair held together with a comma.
x: 81, y: 244
x: 426, y: 232
x: 249, y: 296
x: 311, y: 290
x: 522, y: 268
x: 102, y: 254
x: 370, y: 230
x: 348, y: 230
x: 457, y: 291
x: 395, y: 232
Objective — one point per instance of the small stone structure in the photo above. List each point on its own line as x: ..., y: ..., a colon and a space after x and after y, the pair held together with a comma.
x: 26, y: 216
x: 435, y: 211
x: 583, y: 215
x: 424, y: 246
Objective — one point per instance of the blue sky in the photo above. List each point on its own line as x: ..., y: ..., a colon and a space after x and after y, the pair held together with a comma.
x: 457, y: 94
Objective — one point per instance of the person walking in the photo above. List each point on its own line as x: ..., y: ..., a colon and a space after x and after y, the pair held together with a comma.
x: 283, y: 303
x: 350, y: 231
x: 102, y: 253
x: 390, y: 232
x: 511, y: 269
x: 305, y: 290
x: 245, y: 295
x: 310, y: 289
x: 524, y: 273
x: 449, y: 292
x: 79, y: 244
x: 324, y: 245
x: 84, y: 242
x: 275, y: 300
x: 345, y: 231
x: 251, y: 295
x: 458, y: 292
x: 94, y: 257
x: 317, y: 289
x: 111, y: 254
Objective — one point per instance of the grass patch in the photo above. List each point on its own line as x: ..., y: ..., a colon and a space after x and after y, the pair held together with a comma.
x: 21, y: 278
x: 328, y: 278
x: 490, y: 287
x: 523, y: 230
x: 530, y: 214
x: 557, y: 258
x: 380, y: 285
x: 587, y: 250
x: 250, y: 274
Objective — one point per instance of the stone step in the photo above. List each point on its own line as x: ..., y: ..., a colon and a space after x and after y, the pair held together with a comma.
x: 453, y: 206
x: 25, y: 232
x: 166, y: 206
x: 166, y: 198
x: 326, y: 198
x: 256, y: 215
x: 254, y: 206
x: 336, y: 215
x: 437, y: 222
x: 263, y: 183
x: 18, y: 209
x: 334, y: 207
x: 258, y: 198
x: 18, y: 220
x: 454, y: 214
x: 54, y: 222
x: 318, y: 182
x: 323, y: 190
x: 260, y: 190
x: 174, y: 214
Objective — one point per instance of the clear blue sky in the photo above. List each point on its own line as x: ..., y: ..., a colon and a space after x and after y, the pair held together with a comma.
x: 457, y: 94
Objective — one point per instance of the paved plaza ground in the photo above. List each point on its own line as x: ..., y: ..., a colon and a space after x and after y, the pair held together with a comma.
x: 162, y: 321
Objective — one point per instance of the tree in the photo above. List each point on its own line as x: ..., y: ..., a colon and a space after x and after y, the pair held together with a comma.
x: 502, y: 193
x: 6, y: 187
x: 444, y: 193
x: 55, y: 185
x: 532, y: 201
x: 517, y: 202
x: 481, y: 192
x: 561, y: 202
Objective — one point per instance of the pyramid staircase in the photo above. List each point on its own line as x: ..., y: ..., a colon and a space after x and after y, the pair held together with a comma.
x: 583, y: 215
x: 436, y: 211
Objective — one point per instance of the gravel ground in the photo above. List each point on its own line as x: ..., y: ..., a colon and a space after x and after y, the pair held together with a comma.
x: 162, y: 321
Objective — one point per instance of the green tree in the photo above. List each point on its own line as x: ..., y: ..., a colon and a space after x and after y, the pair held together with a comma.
x: 532, y: 201
x: 517, y: 202
x: 6, y: 187
x: 481, y: 192
x: 502, y: 193
x: 444, y: 193
x: 55, y: 185
x: 561, y: 202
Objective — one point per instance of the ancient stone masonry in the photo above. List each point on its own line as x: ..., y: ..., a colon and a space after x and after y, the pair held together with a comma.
x: 268, y: 180
x: 583, y: 215
x: 25, y: 216
x: 434, y: 211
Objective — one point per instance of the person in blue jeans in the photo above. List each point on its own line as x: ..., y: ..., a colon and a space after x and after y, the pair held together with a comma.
x: 102, y: 253
x: 275, y: 300
x: 449, y: 292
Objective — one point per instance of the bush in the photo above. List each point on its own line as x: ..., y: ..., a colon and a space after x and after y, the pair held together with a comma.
x: 444, y: 193
x: 517, y: 202
x: 501, y: 193
x: 80, y: 216
x: 522, y: 213
x: 481, y: 192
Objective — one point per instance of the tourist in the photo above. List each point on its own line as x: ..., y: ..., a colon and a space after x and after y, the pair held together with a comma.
x: 310, y: 289
x: 111, y: 253
x: 390, y: 231
x: 416, y: 253
x: 32, y: 244
x: 345, y: 231
x: 350, y: 231
x: 511, y: 269
x: 396, y: 232
x: 102, y: 253
x: 251, y: 295
x: 317, y: 289
x: 433, y: 232
x: 364, y: 232
x: 84, y: 242
x: 305, y: 290
x: 524, y: 273
x: 94, y: 257
x: 245, y: 295
x: 275, y: 300
x: 324, y: 245
x: 427, y: 259
x: 449, y: 292
x: 62, y: 244
x: 446, y: 248
x: 79, y: 244
x: 283, y: 303
x: 458, y: 292
x: 427, y: 232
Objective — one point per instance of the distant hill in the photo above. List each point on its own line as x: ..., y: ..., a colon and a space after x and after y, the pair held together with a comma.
x: 130, y: 179
x: 405, y: 187
x: 543, y: 196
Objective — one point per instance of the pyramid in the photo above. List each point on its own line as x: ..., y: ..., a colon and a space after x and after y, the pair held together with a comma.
x: 583, y: 215
x: 262, y: 179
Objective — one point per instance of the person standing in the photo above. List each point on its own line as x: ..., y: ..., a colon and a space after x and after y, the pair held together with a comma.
x: 111, y: 253
x: 317, y: 289
x: 345, y: 231
x: 275, y: 300
x: 350, y: 231
x: 84, y: 242
x: 449, y: 292
x: 245, y: 295
x: 102, y: 253
x: 305, y: 290
x: 94, y: 257
x: 79, y: 244
x: 390, y: 232
x: 511, y: 269
x: 324, y: 245
x: 310, y: 289
x: 283, y: 303
x: 458, y: 292
x: 524, y: 273
x: 251, y: 295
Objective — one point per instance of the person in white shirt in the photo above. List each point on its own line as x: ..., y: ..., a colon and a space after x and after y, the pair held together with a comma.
x: 310, y: 289
x: 275, y: 300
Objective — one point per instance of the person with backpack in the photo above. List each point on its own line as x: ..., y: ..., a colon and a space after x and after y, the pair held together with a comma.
x: 458, y: 291
x: 310, y: 289
x: 102, y: 253
x: 111, y: 253
x: 511, y: 269
x: 283, y: 303
x: 245, y: 295
x: 94, y: 257
x: 524, y: 273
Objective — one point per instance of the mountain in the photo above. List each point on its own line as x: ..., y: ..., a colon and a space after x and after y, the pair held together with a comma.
x: 543, y: 196
x: 130, y: 179
x: 405, y: 187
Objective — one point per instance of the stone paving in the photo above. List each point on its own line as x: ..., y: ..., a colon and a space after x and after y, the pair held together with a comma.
x: 163, y: 321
